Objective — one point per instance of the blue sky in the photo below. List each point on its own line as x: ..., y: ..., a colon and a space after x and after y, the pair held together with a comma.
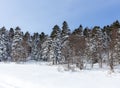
x: 42, y: 15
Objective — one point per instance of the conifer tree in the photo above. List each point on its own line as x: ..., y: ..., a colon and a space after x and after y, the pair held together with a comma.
x: 4, y: 44
x: 65, y: 30
x: 56, y: 36
x: 18, y: 51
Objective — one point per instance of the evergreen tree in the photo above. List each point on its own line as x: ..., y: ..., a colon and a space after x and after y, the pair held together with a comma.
x: 4, y: 44
x: 65, y: 30
x: 35, y: 46
x: 26, y: 44
x: 47, y: 51
x: 18, y: 52
x: 78, y: 31
x: 42, y: 37
x: 56, y: 36
x: 55, y: 32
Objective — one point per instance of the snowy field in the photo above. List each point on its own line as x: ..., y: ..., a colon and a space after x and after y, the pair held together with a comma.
x: 44, y: 76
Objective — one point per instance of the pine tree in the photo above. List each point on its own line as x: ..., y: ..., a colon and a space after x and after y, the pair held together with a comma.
x: 18, y: 53
x: 65, y: 30
x: 4, y: 42
x: 47, y: 51
x: 56, y: 36
x: 100, y: 46
x: 42, y: 37
x: 78, y: 31
x: 26, y: 44
x: 35, y: 46
x: 89, y: 48
x: 55, y: 32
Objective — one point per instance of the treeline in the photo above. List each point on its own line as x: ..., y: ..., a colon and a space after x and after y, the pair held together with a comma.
x: 79, y: 47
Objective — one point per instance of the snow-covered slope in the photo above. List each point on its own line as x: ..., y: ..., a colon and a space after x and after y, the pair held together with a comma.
x: 44, y: 76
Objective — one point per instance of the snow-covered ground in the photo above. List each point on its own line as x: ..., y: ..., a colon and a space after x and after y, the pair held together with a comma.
x: 44, y: 76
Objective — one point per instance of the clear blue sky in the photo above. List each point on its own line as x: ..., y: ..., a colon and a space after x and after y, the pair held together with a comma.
x: 42, y: 15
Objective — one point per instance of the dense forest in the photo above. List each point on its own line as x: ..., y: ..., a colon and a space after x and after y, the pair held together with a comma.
x: 79, y: 47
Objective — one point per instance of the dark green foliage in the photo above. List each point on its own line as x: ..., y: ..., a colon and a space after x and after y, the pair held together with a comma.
x: 26, y: 36
x: 78, y: 31
x: 3, y: 29
x: 35, y: 36
x: 11, y: 33
x: 55, y: 32
x: 115, y: 24
x: 86, y: 32
x: 17, y: 28
x: 65, y: 29
x: 42, y: 36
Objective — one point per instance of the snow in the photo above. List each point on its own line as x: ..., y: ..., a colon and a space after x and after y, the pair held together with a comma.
x: 38, y: 75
